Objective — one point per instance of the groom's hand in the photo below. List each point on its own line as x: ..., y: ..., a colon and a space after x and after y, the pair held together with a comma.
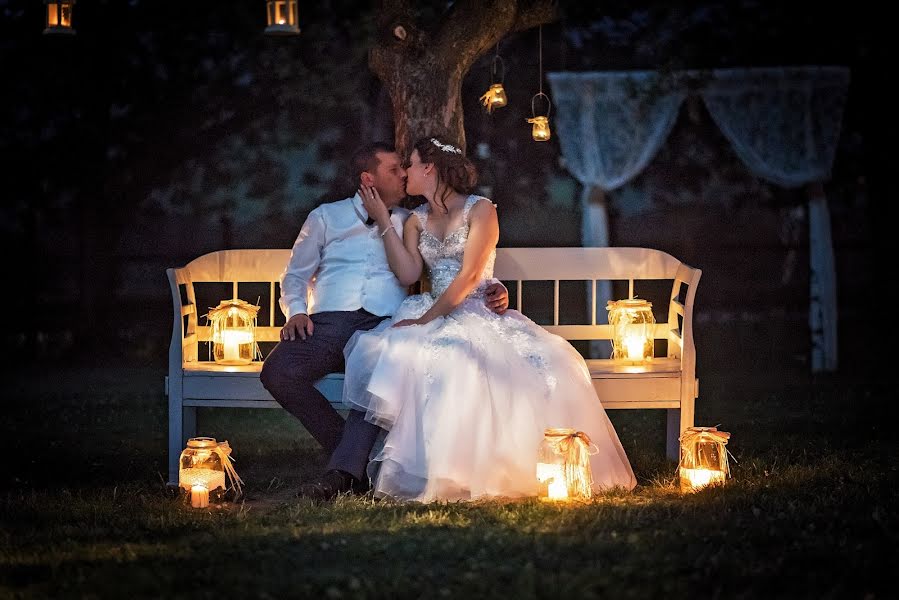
x: 497, y: 298
x: 298, y: 325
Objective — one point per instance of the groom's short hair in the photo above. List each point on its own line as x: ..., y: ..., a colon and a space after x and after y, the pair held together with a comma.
x: 366, y: 159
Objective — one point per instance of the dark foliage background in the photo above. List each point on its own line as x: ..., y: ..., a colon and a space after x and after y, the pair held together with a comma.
x: 164, y: 130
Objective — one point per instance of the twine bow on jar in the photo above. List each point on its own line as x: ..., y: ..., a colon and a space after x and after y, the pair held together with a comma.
x: 223, y: 449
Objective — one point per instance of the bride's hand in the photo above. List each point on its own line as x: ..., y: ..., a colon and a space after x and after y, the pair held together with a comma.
x: 407, y: 322
x: 374, y: 206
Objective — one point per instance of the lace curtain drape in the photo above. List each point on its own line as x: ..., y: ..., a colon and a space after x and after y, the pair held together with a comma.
x: 783, y: 124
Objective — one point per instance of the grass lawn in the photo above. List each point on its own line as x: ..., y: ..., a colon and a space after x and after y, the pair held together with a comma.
x: 811, y: 510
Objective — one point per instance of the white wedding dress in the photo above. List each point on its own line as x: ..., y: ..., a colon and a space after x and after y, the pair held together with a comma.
x: 465, y: 399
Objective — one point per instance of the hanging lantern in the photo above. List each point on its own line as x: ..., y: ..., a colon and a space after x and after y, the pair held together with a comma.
x: 201, y: 475
x: 563, y: 465
x: 540, y: 131
x: 59, y: 16
x: 495, y: 97
x: 282, y: 17
x: 703, y: 458
x: 234, y: 332
x: 633, y: 328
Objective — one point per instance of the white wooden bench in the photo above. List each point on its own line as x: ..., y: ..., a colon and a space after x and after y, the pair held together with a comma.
x: 667, y: 382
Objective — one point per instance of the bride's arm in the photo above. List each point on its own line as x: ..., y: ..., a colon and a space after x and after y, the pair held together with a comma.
x: 402, y: 255
x: 483, y: 234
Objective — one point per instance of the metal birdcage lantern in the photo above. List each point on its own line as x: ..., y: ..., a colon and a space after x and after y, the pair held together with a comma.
x: 703, y: 458
x: 59, y: 17
x: 563, y: 465
x: 633, y: 330
x: 234, y: 332
x: 281, y: 17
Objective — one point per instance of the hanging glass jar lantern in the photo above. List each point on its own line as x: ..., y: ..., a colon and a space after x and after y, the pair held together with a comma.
x: 540, y: 131
x: 234, y: 332
x: 59, y: 17
x: 563, y: 465
x: 703, y: 458
x: 203, y: 466
x: 495, y: 96
x: 633, y: 329
x: 281, y: 16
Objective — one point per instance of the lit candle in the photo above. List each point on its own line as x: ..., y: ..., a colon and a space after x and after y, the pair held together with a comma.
x: 199, y: 496
x: 634, y: 345
x: 558, y: 487
x: 699, y: 478
x: 231, y: 341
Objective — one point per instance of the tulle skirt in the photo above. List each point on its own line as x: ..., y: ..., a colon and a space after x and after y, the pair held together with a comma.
x: 465, y: 400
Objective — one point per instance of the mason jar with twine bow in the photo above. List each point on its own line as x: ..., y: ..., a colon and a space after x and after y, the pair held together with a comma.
x: 703, y: 458
x: 205, y: 463
x: 563, y: 464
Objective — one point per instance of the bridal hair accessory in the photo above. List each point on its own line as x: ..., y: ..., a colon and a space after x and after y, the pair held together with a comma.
x: 445, y: 147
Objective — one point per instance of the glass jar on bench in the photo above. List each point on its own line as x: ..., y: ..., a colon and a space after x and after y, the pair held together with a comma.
x: 633, y: 330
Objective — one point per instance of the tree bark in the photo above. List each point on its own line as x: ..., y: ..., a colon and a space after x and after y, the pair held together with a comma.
x: 422, y: 68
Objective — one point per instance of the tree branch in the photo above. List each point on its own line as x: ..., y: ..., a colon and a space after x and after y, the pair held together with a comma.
x: 539, y: 12
x: 472, y: 27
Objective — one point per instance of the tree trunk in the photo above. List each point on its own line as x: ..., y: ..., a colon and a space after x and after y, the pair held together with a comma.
x: 423, y: 69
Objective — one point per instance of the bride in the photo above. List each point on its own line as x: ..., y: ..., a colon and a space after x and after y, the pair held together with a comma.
x: 465, y: 394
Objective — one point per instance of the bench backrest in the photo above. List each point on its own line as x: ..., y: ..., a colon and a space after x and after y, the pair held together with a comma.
x: 514, y: 266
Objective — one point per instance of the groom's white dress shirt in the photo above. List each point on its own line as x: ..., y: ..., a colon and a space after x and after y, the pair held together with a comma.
x: 338, y: 263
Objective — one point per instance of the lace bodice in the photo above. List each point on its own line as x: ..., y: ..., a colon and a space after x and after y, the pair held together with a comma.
x: 444, y: 257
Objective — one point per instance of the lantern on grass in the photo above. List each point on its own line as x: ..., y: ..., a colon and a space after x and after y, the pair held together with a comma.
x: 201, y: 474
x: 59, y: 16
x: 633, y: 329
x: 563, y: 465
x: 703, y: 458
x: 233, y: 332
x: 281, y: 17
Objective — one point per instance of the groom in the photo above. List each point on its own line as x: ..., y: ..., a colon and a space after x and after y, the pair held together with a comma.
x: 340, y: 255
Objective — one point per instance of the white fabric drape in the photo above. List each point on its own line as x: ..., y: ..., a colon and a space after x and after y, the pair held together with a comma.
x: 783, y: 124
x: 609, y: 129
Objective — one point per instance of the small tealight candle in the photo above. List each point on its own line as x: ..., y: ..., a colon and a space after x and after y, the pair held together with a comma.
x: 634, y: 345
x: 199, y: 496
x: 558, y: 489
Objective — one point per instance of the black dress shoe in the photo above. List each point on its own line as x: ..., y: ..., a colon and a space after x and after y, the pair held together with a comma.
x: 331, y: 484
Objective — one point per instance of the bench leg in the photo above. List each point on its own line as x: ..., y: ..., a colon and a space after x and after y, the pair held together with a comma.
x: 176, y: 437
x: 672, y: 446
